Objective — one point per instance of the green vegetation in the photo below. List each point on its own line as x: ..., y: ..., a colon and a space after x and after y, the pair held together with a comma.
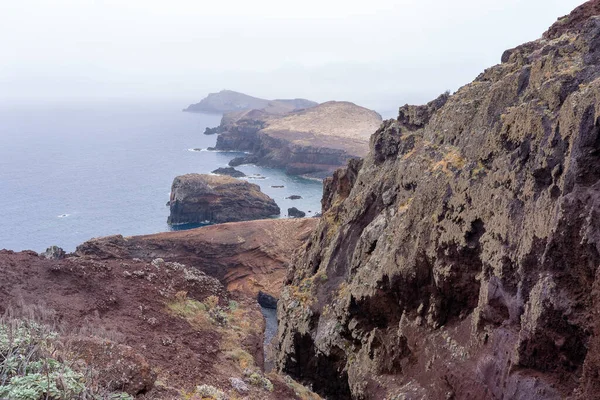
x: 256, y: 378
x: 29, y: 369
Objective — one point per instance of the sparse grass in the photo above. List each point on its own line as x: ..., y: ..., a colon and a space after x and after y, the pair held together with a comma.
x: 300, y: 390
x: 199, y: 314
x: 241, y: 357
x: 208, y: 392
x: 256, y: 378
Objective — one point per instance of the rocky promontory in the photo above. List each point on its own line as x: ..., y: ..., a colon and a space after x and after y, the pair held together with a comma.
x: 312, y: 142
x: 461, y: 258
x: 227, y: 101
x: 204, y: 199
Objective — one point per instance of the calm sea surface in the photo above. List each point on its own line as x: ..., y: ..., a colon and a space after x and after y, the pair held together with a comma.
x: 70, y: 173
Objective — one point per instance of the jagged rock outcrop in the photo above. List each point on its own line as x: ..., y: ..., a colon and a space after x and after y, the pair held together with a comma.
x: 228, y: 101
x: 461, y: 258
x: 54, y: 253
x: 312, y: 142
x: 200, y: 198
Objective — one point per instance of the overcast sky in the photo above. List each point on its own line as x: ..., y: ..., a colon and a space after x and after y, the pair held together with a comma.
x: 378, y: 53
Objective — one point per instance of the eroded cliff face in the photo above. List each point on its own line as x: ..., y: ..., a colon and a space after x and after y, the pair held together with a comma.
x: 460, y: 258
x: 312, y: 142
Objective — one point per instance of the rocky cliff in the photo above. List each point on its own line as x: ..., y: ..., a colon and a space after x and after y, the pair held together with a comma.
x: 460, y: 259
x: 227, y: 101
x: 311, y: 142
x: 200, y: 198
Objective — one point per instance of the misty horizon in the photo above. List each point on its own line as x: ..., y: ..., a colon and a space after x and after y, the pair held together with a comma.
x: 391, y: 54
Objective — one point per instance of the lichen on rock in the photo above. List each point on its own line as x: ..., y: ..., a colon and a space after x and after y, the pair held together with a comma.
x: 461, y: 254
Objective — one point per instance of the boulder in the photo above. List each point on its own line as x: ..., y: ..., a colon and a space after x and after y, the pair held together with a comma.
x: 54, y: 253
x: 198, y: 198
x: 295, y: 213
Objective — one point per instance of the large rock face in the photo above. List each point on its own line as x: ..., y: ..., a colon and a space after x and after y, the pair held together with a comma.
x: 199, y: 198
x: 311, y: 142
x: 460, y: 259
x: 228, y: 100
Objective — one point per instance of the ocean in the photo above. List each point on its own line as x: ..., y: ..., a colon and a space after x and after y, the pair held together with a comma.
x: 69, y: 173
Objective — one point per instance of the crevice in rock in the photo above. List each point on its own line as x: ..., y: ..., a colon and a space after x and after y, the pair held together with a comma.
x: 325, y: 373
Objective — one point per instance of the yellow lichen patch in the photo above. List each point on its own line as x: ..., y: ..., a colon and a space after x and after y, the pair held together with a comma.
x: 409, y: 154
x: 404, y: 205
x: 451, y: 159
x: 343, y: 290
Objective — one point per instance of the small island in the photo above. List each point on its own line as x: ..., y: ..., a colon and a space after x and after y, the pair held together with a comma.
x: 210, y: 199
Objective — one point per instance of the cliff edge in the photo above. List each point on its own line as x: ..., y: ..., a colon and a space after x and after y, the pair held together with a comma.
x: 460, y: 259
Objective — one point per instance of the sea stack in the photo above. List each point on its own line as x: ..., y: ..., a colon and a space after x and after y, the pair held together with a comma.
x: 199, y: 198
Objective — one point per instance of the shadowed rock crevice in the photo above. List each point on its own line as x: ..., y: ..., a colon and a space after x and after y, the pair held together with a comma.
x: 324, y: 372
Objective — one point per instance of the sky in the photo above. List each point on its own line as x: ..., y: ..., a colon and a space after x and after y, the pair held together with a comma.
x: 377, y: 53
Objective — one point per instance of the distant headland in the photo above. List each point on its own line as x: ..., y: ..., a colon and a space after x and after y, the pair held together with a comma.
x: 228, y: 100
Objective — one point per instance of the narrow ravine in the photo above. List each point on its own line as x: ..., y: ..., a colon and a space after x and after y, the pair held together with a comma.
x: 268, y: 307
x: 270, y: 315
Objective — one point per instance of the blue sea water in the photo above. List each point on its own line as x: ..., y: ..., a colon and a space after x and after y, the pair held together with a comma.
x: 72, y: 172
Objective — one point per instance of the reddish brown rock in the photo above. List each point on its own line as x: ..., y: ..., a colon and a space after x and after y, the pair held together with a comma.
x: 247, y: 256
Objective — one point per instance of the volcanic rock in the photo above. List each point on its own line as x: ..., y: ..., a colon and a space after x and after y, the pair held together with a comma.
x: 248, y: 256
x: 211, y: 131
x: 54, y: 253
x: 266, y: 300
x: 197, y: 198
x: 295, y: 213
x: 461, y: 258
